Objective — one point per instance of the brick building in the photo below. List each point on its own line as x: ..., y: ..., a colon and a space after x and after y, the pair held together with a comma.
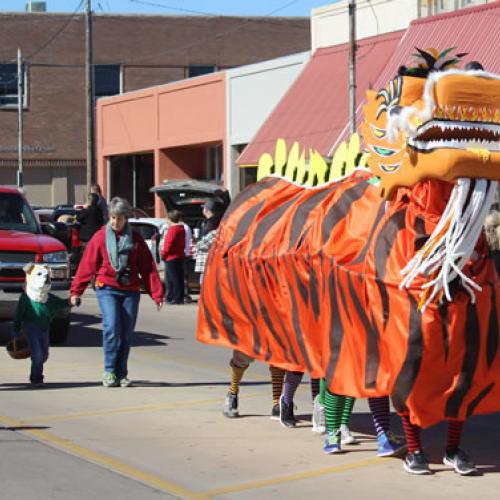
x: 130, y: 52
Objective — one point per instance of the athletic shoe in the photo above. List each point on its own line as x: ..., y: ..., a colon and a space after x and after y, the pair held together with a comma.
x: 389, y: 445
x: 231, y: 405
x: 287, y: 418
x: 345, y: 435
x: 125, y: 382
x: 318, y: 417
x: 416, y: 463
x: 109, y: 380
x: 275, y: 412
x: 460, y: 462
x: 332, y: 443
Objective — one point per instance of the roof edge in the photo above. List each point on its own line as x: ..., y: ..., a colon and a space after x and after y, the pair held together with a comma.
x: 456, y: 13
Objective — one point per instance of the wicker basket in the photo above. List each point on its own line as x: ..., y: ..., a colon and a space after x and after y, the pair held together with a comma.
x: 18, y: 348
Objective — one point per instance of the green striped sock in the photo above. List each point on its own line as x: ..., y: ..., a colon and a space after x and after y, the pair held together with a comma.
x: 347, y: 410
x: 334, y: 405
x: 322, y: 391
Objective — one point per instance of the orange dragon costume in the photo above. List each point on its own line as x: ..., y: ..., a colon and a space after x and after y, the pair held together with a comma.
x: 380, y: 295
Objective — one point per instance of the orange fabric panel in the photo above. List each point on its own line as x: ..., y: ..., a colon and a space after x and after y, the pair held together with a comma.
x: 308, y: 279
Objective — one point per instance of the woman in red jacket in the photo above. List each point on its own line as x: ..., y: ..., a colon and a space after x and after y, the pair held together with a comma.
x: 173, y: 255
x: 120, y: 261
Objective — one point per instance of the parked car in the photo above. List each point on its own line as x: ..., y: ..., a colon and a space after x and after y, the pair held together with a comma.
x: 153, y: 232
x: 189, y: 196
x: 22, y: 240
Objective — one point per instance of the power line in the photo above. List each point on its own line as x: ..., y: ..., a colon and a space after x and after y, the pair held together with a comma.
x: 56, y: 34
x: 244, y: 22
x: 203, y: 13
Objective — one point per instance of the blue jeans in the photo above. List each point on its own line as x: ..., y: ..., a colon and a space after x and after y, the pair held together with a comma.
x: 119, y: 314
x: 38, y: 339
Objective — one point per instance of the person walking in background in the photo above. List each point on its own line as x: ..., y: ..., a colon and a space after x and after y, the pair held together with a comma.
x: 120, y: 261
x: 96, y: 189
x: 188, y: 254
x: 213, y: 214
x: 90, y: 219
x: 173, y: 253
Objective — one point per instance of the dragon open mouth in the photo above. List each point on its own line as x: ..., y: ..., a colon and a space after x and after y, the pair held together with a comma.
x: 457, y: 135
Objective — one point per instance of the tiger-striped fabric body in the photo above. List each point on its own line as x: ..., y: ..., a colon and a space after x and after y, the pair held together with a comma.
x: 308, y: 279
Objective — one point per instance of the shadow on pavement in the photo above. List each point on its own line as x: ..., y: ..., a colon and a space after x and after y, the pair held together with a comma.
x: 149, y: 383
x: 84, y: 334
x: 25, y: 428
x: 16, y: 386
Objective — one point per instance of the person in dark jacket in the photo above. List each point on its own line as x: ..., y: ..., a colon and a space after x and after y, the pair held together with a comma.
x: 173, y: 253
x: 102, y: 204
x: 90, y: 219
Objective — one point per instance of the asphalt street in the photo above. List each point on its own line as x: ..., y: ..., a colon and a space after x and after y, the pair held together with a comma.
x: 166, y: 437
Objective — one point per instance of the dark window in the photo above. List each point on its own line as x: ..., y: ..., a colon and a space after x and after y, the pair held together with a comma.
x: 199, y: 69
x: 107, y: 80
x: 8, y: 85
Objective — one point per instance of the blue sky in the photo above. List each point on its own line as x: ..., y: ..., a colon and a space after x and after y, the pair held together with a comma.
x: 222, y: 7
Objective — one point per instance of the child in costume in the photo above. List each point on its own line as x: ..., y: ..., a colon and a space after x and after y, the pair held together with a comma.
x: 35, y: 310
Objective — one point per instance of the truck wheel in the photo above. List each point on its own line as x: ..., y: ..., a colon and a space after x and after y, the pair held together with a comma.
x: 59, y: 330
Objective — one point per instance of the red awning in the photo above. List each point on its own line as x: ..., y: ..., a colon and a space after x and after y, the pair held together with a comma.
x: 314, y: 111
x: 475, y: 30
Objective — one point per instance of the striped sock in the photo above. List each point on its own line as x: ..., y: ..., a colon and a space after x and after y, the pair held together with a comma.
x: 292, y: 381
x: 455, y: 428
x: 236, y: 376
x: 379, y: 408
x: 322, y: 391
x: 277, y: 377
x: 412, y: 434
x: 314, y: 387
x: 347, y: 410
x: 334, y: 405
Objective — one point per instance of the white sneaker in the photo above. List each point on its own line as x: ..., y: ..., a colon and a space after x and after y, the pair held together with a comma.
x: 345, y: 435
x: 318, y: 417
x: 125, y: 382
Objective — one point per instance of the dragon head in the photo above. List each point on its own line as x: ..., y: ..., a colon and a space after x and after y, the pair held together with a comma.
x: 434, y: 122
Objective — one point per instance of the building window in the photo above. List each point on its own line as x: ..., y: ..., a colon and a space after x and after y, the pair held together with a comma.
x: 199, y: 69
x: 107, y: 80
x: 8, y: 86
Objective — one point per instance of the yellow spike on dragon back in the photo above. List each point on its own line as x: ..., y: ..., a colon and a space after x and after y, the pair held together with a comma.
x: 312, y: 170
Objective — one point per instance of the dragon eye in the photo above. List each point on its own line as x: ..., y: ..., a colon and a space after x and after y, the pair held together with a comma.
x: 379, y: 133
x: 384, y: 151
x: 390, y: 169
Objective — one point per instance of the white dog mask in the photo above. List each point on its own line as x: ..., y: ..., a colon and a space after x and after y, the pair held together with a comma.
x: 37, y: 282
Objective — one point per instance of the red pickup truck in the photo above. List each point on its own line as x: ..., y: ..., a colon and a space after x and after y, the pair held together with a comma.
x: 22, y: 240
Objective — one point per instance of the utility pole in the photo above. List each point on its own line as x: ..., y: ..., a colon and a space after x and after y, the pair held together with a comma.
x: 89, y: 85
x: 20, y: 128
x: 352, y: 66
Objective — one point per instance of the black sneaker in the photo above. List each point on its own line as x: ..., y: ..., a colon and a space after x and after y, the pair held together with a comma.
x: 416, y: 463
x: 275, y: 412
x: 462, y: 464
x: 231, y: 405
x: 287, y: 418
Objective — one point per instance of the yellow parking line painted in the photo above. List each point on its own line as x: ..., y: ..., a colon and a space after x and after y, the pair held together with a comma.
x: 108, y: 462
x: 254, y: 485
x: 133, y: 409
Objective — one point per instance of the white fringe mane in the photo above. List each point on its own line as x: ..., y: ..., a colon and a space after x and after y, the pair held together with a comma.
x: 452, y: 243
